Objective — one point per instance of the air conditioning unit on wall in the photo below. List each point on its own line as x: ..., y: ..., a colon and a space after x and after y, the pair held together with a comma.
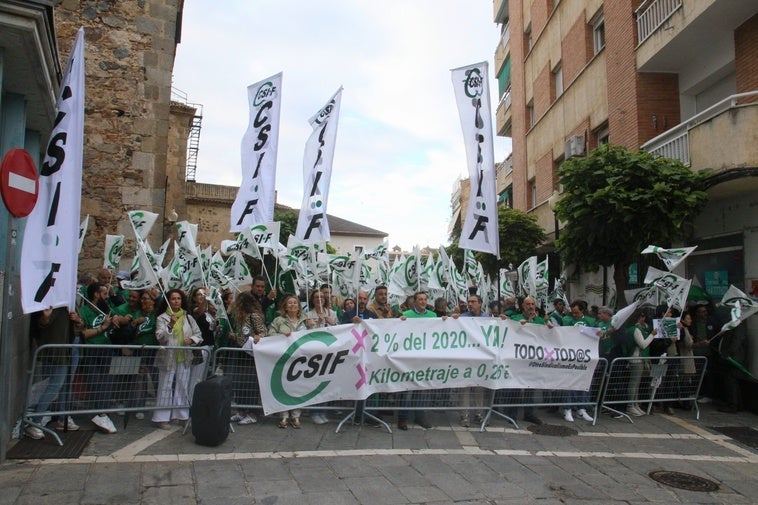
x: 574, y: 147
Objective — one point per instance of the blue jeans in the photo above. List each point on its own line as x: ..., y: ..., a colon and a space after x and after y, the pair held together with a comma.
x: 56, y: 375
x: 577, y: 397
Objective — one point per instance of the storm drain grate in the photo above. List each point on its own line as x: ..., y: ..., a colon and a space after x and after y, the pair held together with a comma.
x: 686, y: 481
x: 552, y: 430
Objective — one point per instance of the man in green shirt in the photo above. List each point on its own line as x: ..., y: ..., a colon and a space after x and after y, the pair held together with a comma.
x: 97, y: 320
x: 528, y: 314
x: 418, y: 310
x: 577, y: 317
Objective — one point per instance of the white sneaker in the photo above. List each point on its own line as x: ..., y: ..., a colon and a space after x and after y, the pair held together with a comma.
x: 248, y: 419
x: 70, y: 424
x: 634, y: 410
x: 704, y: 399
x: 567, y: 415
x: 139, y: 415
x: 34, y: 432
x: 584, y: 415
x: 236, y: 418
x: 104, y: 423
x: 319, y: 419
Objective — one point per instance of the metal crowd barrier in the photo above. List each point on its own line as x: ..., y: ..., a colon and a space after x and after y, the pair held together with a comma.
x: 94, y: 379
x: 508, y: 401
x: 239, y: 365
x: 648, y: 380
x: 106, y: 379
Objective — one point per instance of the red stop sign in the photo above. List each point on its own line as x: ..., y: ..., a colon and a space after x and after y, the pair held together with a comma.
x: 19, y: 182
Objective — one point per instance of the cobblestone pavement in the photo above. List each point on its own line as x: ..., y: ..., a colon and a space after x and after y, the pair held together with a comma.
x: 262, y: 464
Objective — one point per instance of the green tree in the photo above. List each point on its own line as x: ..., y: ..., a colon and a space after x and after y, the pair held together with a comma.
x: 616, y: 201
x: 519, y: 236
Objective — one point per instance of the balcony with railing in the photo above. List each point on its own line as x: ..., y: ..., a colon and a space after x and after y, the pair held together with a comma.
x: 651, y: 15
x: 500, y: 11
x: 503, y: 115
x: 717, y: 138
x: 503, y: 48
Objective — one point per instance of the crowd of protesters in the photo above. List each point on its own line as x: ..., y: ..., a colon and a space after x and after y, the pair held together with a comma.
x: 180, y: 331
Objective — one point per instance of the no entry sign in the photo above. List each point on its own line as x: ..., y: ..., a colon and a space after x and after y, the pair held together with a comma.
x: 19, y: 182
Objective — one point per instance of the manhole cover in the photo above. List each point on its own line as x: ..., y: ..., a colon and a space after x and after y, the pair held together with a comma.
x: 686, y: 481
x: 552, y: 430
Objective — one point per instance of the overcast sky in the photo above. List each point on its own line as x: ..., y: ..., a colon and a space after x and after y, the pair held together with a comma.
x: 399, y: 144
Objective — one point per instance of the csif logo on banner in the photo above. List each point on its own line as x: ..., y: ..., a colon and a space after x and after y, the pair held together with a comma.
x: 288, y: 370
x: 473, y: 84
x: 260, y: 234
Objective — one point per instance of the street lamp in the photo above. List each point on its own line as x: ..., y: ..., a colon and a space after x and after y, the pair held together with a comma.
x: 553, y: 202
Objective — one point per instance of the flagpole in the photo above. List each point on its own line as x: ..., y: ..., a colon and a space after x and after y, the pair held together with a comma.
x: 91, y: 304
x: 263, y: 262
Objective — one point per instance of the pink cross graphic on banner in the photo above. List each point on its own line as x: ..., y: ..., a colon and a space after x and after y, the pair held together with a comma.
x: 360, y: 337
x: 362, y: 380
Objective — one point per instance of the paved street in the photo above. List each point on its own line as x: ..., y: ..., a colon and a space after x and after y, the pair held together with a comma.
x: 261, y: 464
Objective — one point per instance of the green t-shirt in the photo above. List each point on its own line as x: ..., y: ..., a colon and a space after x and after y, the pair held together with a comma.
x: 124, y: 310
x: 606, y: 342
x: 146, y: 331
x: 411, y: 314
x: 584, y: 321
x: 92, y: 319
x: 536, y: 320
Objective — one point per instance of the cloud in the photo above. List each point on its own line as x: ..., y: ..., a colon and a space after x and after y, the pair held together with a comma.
x: 399, y: 143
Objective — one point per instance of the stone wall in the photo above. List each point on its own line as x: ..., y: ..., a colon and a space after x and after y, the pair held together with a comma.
x: 129, y: 51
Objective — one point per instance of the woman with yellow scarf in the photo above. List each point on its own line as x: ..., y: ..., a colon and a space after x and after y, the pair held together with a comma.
x: 174, y: 328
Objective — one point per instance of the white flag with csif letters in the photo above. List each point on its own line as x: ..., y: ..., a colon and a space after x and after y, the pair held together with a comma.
x: 255, y: 199
x: 472, y: 94
x: 49, y: 254
x: 312, y: 225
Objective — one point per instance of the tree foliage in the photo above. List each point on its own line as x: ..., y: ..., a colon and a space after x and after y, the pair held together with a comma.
x: 519, y: 236
x: 616, y: 201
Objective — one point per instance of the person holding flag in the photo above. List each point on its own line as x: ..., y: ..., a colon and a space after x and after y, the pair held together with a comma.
x: 96, y: 317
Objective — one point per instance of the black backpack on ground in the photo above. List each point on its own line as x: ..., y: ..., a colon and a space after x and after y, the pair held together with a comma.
x: 211, y: 410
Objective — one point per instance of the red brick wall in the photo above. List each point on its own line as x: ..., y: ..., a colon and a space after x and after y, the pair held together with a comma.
x: 620, y: 41
x: 746, y: 55
x: 518, y: 110
x: 576, y: 49
x: 544, y: 177
x: 658, y: 104
x: 540, y: 10
x: 543, y: 92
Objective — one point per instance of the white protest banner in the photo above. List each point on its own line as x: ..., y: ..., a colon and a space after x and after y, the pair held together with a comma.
x: 527, y: 280
x: 142, y: 222
x: 622, y: 315
x: 255, y: 199
x: 312, y: 225
x: 675, y: 288
x: 265, y: 235
x: 742, y: 307
x: 114, y: 246
x: 480, y: 228
x: 354, y: 361
x: 49, y: 252
x: 670, y: 257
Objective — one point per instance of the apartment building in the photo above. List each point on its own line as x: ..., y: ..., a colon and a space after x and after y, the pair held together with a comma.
x: 674, y: 77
